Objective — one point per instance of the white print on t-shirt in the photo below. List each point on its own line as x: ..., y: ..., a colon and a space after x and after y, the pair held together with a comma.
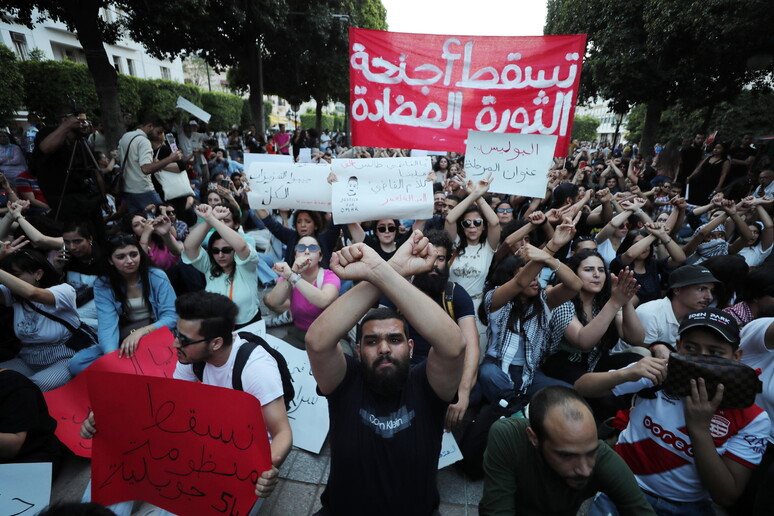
x: 388, y: 426
x: 719, y: 426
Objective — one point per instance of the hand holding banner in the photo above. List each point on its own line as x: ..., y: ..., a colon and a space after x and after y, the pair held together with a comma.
x: 289, y: 185
x: 183, y: 446
x: 518, y: 162
x: 380, y: 188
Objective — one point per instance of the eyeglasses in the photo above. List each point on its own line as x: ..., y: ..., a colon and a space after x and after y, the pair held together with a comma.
x: 386, y: 229
x: 504, y: 210
x: 185, y: 341
x: 222, y: 250
x: 312, y: 248
x: 474, y: 222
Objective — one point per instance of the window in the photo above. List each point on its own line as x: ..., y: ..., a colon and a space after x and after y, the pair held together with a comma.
x: 20, y: 45
x: 130, y: 67
x: 117, y: 63
x: 165, y: 74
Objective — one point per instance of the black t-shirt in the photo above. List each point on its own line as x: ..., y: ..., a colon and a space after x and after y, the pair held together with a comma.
x: 372, y: 241
x: 23, y: 409
x: 384, y: 452
x: 650, y: 281
x: 740, y: 153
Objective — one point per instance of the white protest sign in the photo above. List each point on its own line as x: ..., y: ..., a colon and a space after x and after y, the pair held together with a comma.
x: 450, y: 451
x: 305, y: 156
x: 192, y: 108
x: 254, y: 157
x: 25, y: 488
x: 518, y: 162
x: 289, y: 185
x: 381, y: 188
x: 257, y: 328
x: 308, y: 413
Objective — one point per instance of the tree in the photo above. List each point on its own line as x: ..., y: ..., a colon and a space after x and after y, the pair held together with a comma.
x: 659, y: 52
x: 82, y: 18
x: 584, y: 128
x: 10, y: 79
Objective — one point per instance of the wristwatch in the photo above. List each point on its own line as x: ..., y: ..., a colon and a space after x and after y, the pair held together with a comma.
x: 295, y: 278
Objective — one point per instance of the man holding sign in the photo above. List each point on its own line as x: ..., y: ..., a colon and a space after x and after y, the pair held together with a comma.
x: 386, y: 419
x: 205, y: 335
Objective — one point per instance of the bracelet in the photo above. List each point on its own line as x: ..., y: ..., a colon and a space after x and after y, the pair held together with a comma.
x: 667, y: 243
x: 550, y: 250
x: 295, y: 279
x: 558, y: 265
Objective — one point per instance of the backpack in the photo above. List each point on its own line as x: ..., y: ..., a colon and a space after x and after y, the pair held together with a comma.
x: 447, y: 302
x: 252, y: 342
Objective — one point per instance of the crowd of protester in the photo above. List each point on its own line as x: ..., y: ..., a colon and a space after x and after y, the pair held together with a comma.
x: 590, y: 287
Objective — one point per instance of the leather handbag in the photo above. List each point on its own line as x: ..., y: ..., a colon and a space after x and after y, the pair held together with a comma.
x: 740, y: 381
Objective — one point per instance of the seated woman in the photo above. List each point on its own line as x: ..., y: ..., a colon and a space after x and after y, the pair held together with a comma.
x: 306, y: 223
x: 31, y: 286
x: 384, y: 240
x: 757, y: 249
x: 230, y: 264
x: 304, y: 288
x: 585, y: 329
x: 155, y: 238
x: 519, y: 311
x: 133, y: 299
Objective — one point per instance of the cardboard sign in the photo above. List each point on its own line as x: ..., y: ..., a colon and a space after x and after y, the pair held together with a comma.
x: 426, y: 91
x: 381, y: 188
x: 518, y: 162
x: 292, y: 185
x: 69, y: 405
x: 308, y: 413
x: 24, y: 488
x: 450, y: 451
x: 254, y: 157
x: 183, y: 446
x: 192, y: 108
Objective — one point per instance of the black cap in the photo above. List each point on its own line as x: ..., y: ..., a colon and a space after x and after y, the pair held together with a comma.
x: 690, y: 275
x: 714, y: 319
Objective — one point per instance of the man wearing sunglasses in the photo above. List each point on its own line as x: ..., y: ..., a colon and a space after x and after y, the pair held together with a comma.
x: 205, y: 333
x: 386, y: 418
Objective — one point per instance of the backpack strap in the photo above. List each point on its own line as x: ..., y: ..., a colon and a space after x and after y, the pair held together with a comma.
x: 53, y: 317
x: 198, y: 369
x: 245, y: 350
x: 448, y: 299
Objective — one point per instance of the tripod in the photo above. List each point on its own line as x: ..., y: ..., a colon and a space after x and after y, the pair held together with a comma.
x: 82, y: 149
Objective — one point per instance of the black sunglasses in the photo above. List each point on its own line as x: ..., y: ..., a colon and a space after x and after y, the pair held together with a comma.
x: 223, y: 250
x: 504, y: 210
x: 312, y: 248
x: 185, y: 341
x: 387, y: 229
x: 474, y: 222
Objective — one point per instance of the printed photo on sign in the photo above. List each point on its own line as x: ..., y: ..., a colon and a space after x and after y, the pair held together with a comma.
x: 289, y: 185
x: 518, y: 162
x: 371, y: 189
x: 423, y: 91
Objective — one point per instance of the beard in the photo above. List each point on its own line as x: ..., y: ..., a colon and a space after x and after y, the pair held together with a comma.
x: 385, y: 382
x: 432, y: 284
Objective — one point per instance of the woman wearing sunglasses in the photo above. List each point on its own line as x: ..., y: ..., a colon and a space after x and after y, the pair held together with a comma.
x: 230, y: 265
x: 475, y: 228
x: 504, y: 212
x: 133, y: 299
x: 304, y: 288
x: 385, y: 239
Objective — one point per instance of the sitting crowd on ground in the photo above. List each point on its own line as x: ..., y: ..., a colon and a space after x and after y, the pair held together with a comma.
x: 568, y: 308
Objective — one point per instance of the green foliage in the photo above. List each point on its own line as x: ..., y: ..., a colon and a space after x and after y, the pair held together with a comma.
x: 36, y: 54
x: 246, y: 118
x: 330, y: 122
x: 48, y: 84
x: 10, y: 79
x: 584, y: 128
x: 226, y: 110
x: 159, y: 96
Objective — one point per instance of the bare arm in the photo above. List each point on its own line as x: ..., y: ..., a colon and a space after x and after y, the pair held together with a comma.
x: 356, y: 232
x: 21, y: 288
x: 456, y: 412
x: 593, y: 385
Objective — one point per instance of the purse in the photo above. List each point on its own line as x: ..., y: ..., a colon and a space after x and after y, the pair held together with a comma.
x: 174, y: 184
x: 740, y: 381
x: 81, y: 337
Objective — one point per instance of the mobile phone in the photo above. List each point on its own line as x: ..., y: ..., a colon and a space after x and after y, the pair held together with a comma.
x: 225, y: 183
x: 171, y: 142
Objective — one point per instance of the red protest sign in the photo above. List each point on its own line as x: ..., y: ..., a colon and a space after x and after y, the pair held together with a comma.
x: 422, y: 91
x: 69, y: 405
x: 186, y: 447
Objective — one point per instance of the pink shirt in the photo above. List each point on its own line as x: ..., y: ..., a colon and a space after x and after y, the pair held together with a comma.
x: 162, y: 257
x: 304, y: 312
x: 281, y: 139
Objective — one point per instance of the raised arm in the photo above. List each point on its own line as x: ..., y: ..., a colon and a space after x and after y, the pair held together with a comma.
x: 594, y: 385
x: 215, y: 219
x: 611, y: 226
x: 676, y: 254
x: 475, y: 192
x: 38, y: 239
x: 193, y: 244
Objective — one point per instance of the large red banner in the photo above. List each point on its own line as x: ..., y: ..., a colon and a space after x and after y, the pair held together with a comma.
x: 421, y: 91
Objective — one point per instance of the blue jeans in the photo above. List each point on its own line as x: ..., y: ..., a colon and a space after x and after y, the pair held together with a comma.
x: 84, y: 358
x: 603, y: 506
x: 493, y: 380
x: 138, y: 201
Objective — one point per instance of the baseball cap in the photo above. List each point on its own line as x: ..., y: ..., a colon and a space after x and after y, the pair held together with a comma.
x: 690, y: 275
x: 714, y: 319
x: 193, y: 122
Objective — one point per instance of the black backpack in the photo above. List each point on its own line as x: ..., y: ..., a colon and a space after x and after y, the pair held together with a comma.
x: 252, y: 342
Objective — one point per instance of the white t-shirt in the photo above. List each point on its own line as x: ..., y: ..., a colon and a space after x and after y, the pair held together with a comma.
x: 140, y: 153
x: 754, y: 256
x: 659, y: 321
x: 260, y: 377
x: 756, y: 355
x: 470, y: 268
x: 606, y: 251
x: 34, y: 328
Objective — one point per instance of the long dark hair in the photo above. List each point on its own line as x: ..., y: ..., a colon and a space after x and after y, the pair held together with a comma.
x: 85, y: 229
x: 600, y: 298
x: 31, y: 261
x: 117, y: 282
x: 461, y: 231
x: 126, y: 227
x: 628, y: 242
x: 216, y: 270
